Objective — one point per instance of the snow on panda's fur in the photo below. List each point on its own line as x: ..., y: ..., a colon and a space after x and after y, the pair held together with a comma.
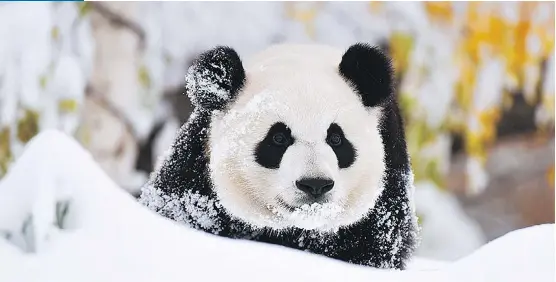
x: 303, y: 148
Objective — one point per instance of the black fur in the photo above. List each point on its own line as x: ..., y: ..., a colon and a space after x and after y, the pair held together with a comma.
x: 220, y: 67
x: 370, y: 73
x: 384, y: 239
x: 345, y: 152
x: 268, y: 152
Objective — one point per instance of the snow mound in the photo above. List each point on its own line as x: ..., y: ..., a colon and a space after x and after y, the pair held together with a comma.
x: 447, y: 233
x: 63, y: 219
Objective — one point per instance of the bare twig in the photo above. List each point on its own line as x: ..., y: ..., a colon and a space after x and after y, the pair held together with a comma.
x: 119, y: 20
x: 99, y: 98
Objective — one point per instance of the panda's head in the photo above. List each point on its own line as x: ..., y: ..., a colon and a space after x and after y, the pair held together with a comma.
x: 294, y: 138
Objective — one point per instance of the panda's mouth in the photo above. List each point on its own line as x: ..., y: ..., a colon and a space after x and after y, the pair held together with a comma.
x: 303, y: 202
x: 285, y: 205
x: 310, y: 216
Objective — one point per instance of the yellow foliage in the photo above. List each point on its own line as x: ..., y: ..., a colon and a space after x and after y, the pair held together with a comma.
x: 406, y: 104
x: 5, y: 151
x: 519, y: 54
x: 546, y: 31
x: 376, y: 6
x: 401, y: 45
x: 465, y: 85
x: 67, y: 105
x: 476, y: 142
x: 488, y: 120
x: 421, y: 134
x: 487, y: 33
x: 550, y: 176
x: 476, y: 29
x: 547, y: 43
x: 441, y: 11
x: 43, y: 80
x: 498, y: 34
x: 144, y: 77
x: 427, y: 170
x: 419, y: 219
x: 474, y: 146
x: 28, y: 126
x: 84, y: 8
x: 304, y: 15
x: 433, y: 173
x: 507, y: 100
x: 55, y: 33
x: 453, y: 124
x: 548, y: 102
x: 83, y: 134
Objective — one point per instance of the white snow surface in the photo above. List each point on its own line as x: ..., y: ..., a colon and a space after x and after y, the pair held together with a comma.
x: 453, y: 228
x: 105, y: 235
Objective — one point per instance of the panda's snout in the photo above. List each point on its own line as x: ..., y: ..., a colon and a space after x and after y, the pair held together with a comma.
x: 315, y: 187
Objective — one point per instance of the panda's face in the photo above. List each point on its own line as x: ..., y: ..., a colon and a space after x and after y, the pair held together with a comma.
x: 297, y: 148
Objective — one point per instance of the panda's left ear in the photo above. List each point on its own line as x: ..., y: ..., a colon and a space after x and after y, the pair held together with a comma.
x: 369, y: 71
x: 215, y: 78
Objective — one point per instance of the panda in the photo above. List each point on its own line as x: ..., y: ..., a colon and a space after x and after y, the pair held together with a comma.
x: 303, y: 147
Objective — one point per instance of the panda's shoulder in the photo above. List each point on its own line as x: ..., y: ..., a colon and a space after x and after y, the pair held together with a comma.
x: 393, y: 138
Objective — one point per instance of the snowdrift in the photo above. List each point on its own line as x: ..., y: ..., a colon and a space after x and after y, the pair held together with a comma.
x: 63, y: 219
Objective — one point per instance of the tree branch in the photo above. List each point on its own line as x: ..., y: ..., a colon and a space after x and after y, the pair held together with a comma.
x: 99, y: 98
x: 121, y: 21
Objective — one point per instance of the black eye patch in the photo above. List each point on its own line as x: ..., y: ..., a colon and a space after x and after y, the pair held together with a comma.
x: 270, y: 150
x: 344, y: 150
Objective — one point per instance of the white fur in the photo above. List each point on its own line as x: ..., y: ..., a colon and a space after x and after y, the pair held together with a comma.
x: 300, y: 86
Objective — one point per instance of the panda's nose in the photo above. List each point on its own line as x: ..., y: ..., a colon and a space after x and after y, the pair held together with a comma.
x: 315, y: 187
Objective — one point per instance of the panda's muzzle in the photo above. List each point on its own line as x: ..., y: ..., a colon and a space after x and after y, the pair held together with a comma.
x: 315, y: 187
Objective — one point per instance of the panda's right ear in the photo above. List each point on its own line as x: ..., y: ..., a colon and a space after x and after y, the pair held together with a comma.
x: 215, y: 78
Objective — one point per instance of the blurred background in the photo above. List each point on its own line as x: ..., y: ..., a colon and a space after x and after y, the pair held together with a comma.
x: 475, y: 83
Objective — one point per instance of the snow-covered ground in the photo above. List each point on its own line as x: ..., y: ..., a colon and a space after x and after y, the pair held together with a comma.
x: 63, y: 219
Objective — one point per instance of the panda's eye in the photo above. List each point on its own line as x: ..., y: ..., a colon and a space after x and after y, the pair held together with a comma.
x: 335, y: 140
x: 280, y: 139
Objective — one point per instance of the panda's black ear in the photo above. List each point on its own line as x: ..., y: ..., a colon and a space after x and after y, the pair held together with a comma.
x: 215, y: 78
x: 369, y: 71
